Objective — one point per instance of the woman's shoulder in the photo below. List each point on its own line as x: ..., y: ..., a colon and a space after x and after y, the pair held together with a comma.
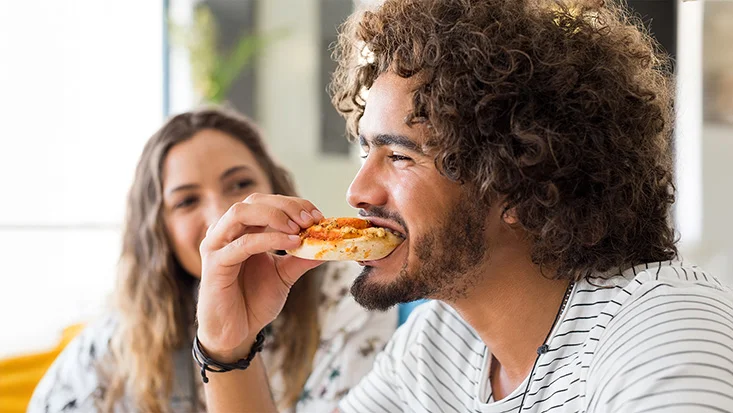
x: 351, y: 337
x: 336, y: 282
x: 339, y: 312
x: 73, y: 377
x: 99, y: 332
x: 93, y: 342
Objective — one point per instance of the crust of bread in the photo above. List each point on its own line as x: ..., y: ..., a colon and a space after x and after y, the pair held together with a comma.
x: 364, y: 248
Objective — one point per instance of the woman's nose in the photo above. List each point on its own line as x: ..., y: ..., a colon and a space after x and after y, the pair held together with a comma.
x: 215, y: 208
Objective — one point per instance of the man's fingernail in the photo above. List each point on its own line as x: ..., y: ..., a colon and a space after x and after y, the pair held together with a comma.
x: 293, y: 225
x: 317, y: 214
x: 294, y: 237
x: 305, y: 217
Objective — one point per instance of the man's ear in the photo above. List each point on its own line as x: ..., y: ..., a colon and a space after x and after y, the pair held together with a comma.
x: 509, y: 215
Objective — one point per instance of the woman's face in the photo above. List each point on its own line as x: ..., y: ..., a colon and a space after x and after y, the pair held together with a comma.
x: 202, y: 178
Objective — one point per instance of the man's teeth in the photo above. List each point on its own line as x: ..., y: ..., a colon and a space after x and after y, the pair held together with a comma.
x: 395, y: 232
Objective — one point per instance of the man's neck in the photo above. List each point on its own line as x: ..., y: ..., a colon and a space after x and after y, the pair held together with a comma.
x: 513, y: 309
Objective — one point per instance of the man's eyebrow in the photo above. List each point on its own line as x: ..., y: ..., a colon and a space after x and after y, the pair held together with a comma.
x: 392, y: 140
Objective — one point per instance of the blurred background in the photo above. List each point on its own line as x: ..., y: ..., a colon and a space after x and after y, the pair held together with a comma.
x: 84, y: 83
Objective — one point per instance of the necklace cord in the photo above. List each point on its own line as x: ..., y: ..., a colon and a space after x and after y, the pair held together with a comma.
x: 544, y: 348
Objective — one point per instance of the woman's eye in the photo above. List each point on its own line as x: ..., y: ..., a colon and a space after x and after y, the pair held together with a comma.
x: 245, y: 183
x: 186, y: 202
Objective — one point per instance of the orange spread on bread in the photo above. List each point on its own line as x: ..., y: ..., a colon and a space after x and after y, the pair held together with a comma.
x: 331, y: 229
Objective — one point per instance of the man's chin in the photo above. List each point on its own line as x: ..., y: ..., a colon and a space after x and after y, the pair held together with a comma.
x: 375, y: 291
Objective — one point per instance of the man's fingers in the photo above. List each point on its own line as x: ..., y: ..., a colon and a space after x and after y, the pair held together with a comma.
x: 291, y: 268
x: 247, y: 245
x: 242, y: 218
x: 301, y: 211
x: 281, y: 213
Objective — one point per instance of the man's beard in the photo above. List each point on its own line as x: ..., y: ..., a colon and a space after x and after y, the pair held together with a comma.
x: 446, y: 261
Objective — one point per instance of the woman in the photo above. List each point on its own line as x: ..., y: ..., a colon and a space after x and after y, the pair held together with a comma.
x: 197, y: 166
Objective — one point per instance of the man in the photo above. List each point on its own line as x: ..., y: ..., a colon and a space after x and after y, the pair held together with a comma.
x: 523, y: 149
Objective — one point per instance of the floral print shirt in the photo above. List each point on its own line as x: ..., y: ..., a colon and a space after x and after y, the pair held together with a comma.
x: 350, y: 339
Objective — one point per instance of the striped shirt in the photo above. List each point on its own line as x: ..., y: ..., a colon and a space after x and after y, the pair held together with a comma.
x: 655, y: 338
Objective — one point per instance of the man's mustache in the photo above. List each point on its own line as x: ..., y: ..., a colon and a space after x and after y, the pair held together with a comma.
x: 382, y: 212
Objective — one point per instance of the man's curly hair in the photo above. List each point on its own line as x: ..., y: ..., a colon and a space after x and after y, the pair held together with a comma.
x: 563, y: 110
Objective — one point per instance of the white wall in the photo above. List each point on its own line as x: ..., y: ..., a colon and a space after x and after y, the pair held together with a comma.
x: 714, y: 251
x: 704, y: 159
x: 81, y: 92
x: 288, y: 105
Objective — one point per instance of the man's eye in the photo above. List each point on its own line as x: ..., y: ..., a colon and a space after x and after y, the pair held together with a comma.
x: 395, y: 157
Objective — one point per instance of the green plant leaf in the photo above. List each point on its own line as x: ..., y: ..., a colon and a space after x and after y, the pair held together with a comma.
x: 242, y: 56
x: 212, y: 73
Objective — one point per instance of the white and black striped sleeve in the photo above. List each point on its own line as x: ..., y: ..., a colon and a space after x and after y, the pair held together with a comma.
x: 668, y: 349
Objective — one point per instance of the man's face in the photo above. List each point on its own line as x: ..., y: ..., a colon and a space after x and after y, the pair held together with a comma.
x: 399, y: 187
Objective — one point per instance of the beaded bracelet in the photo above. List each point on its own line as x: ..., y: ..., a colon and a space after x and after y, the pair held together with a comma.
x: 208, y: 364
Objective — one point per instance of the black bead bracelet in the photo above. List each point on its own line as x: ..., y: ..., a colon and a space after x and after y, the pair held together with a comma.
x: 208, y: 364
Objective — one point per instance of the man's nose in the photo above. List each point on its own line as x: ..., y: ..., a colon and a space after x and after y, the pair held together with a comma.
x: 367, y: 188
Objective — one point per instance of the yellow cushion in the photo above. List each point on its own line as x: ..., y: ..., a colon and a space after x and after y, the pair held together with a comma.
x: 20, y: 375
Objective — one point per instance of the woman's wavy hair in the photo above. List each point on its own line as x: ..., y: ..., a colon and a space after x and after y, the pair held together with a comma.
x: 154, y: 296
x: 562, y: 110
